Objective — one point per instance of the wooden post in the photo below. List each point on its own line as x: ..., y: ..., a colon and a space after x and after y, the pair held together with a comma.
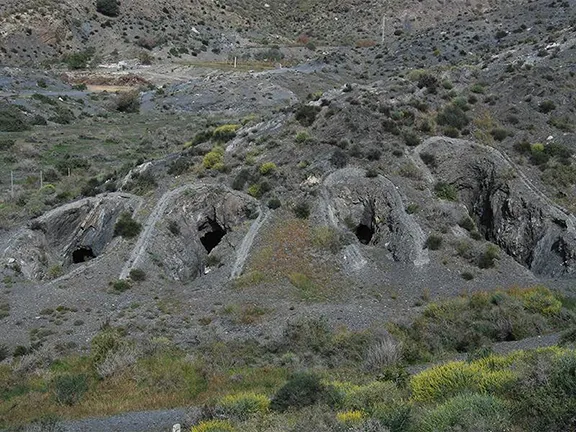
x: 235, y: 62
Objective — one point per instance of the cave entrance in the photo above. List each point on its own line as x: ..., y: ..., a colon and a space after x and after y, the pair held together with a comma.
x: 82, y: 254
x: 213, y: 236
x: 364, y: 233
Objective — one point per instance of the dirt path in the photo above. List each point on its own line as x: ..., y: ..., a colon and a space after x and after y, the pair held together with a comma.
x: 143, y: 421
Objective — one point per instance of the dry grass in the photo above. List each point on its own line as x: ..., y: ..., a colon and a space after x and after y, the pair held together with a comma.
x: 287, y: 253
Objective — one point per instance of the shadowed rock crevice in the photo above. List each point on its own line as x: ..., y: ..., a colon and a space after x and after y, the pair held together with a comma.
x: 82, y: 254
x: 213, y: 234
x: 367, y: 227
x: 364, y: 233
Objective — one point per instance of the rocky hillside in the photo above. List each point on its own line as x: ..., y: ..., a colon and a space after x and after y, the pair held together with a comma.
x: 354, y: 185
x: 47, y: 31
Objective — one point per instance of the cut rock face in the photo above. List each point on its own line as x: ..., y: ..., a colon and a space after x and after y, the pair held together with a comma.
x: 508, y: 209
x: 374, y: 210
x: 70, y: 234
x: 199, y: 222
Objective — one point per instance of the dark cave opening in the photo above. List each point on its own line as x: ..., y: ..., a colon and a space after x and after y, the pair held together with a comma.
x: 82, y: 254
x: 212, y: 238
x: 364, y: 233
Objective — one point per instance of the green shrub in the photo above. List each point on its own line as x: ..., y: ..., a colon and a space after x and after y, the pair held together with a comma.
x: 489, y: 257
x: 213, y: 426
x: 411, y: 139
x: 255, y: 190
x: 120, y: 285
x: 467, y: 413
x: 567, y: 337
x: 128, y: 102
x: 477, y: 88
x: 126, y: 226
x: 326, y: 237
x: 12, y: 119
x: 80, y: 59
x: 454, y: 378
x: 302, y: 137
x: 467, y: 223
x: 499, y: 134
x: 452, y: 116
x: 339, y: 158
x: 306, y: 114
x: 178, y: 167
x: 69, y: 389
x: 302, y: 210
x: 395, y: 415
x: 365, y: 397
x: 4, y: 353
x: 137, y: 275
x: 546, y: 106
x: 267, y: 168
x: 274, y: 203
x: 200, y: 137
x: 140, y: 183
x: 243, y: 176
x: 109, y: 340
x: 451, y: 132
x: 301, y: 390
x: 225, y: 132
x: 214, y: 159
x: 446, y: 191
x: 6, y: 144
x: 109, y: 8
x: 434, y: 242
x: 243, y: 405
x: 464, y: 324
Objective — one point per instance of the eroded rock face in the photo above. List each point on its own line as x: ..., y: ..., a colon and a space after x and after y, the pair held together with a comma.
x: 198, y: 223
x: 374, y: 210
x: 508, y: 210
x: 70, y: 234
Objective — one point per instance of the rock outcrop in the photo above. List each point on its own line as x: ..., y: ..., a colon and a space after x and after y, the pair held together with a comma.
x: 373, y: 209
x: 190, y: 225
x: 508, y: 210
x: 70, y: 234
